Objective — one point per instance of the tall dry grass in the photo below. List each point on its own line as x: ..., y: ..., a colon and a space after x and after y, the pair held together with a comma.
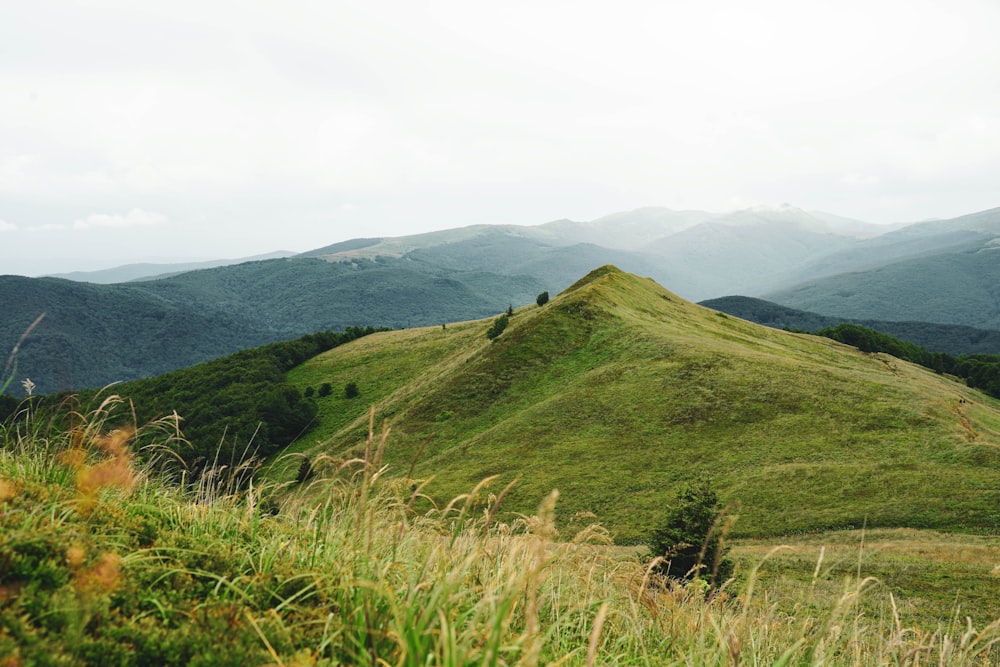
x: 108, y: 560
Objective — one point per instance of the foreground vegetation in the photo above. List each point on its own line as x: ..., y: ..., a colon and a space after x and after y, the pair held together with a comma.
x: 105, y: 562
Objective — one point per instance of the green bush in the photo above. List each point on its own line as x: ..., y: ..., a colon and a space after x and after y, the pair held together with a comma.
x: 691, y: 539
x: 542, y: 299
x: 498, y: 326
x: 351, y: 390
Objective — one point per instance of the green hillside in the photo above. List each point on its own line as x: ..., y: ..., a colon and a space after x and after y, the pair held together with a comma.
x: 106, y: 560
x: 617, y: 392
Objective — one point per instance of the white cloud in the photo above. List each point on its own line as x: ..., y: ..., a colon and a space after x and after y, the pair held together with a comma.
x: 134, y: 218
x: 432, y: 115
x: 859, y: 180
x: 47, y: 227
x: 7, y: 226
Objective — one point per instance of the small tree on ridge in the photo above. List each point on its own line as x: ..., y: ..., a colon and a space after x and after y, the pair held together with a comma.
x: 691, y: 539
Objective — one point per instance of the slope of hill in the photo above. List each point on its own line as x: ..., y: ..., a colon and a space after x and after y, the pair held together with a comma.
x: 108, y: 562
x: 950, y: 338
x: 618, y: 391
x: 942, y: 271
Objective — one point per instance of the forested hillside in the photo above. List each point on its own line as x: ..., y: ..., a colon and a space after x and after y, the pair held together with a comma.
x: 93, y: 335
x: 231, y: 409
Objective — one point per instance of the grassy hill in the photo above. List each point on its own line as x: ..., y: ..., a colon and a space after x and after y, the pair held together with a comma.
x: 617, y: 391
x: 97, y: 334
x: 614, y: 393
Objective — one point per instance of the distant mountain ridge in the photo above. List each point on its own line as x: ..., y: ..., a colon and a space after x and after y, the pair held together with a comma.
x: 945, y: 271
x: 942, y: 271
x: 93, y: 335
x: 151, y: 271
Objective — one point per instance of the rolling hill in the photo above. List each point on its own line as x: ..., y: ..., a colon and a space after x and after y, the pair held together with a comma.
x: 618, y: 391
x: 699, y: 254
x: 149, y: 270
x: 948, y: 288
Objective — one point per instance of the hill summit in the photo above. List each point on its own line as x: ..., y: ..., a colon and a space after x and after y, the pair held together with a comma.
x: 617, y: 391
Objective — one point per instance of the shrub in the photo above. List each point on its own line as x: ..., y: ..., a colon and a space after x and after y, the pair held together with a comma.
x: 691, y: 539
x: 498, y: 326
x: 305, y: 471
x: 542, y: 299
x: 325, y: 389
x: 351, y: 390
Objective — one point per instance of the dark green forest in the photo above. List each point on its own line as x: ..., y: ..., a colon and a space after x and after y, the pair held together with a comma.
x: 231, y: 408
x: 239, y: 405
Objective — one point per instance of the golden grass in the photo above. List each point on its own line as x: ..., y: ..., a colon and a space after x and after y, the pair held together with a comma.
x: 349, y: 571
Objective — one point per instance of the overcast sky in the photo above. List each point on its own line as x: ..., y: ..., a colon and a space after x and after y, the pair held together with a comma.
x: 135, y: 130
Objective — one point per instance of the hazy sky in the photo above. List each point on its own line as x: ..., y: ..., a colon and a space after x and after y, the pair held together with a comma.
x: 133, y: 130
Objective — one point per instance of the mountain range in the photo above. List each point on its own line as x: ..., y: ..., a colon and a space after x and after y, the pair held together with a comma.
x: 940, y: 272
